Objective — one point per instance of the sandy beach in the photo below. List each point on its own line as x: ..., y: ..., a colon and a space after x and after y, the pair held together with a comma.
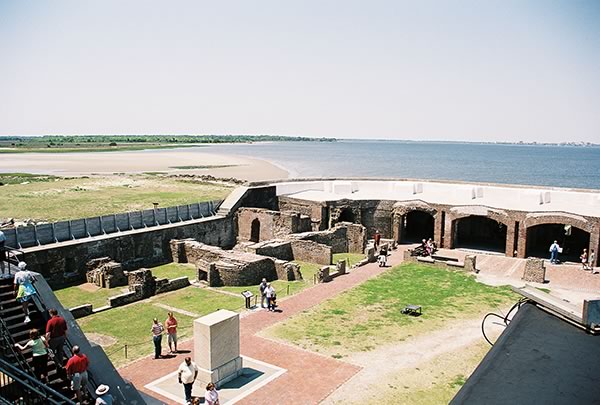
x: 167, y: 160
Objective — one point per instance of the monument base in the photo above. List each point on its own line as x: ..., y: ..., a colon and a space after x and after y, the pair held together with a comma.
x: 222, y: 374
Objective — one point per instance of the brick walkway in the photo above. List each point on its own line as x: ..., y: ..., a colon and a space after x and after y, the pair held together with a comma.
x: 310, y: 377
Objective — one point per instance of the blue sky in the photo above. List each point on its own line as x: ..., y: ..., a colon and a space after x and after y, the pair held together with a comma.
x: 435, y: 70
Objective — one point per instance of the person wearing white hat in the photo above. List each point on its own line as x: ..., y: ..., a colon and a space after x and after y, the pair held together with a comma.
x: 23, y: 288
x: 104, y: 398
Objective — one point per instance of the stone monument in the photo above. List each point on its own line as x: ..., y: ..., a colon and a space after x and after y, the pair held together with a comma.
x: 217, y: 347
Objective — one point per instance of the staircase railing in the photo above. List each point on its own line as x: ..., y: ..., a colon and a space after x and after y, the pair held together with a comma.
x: 8, y: 346
x: 22, y: 388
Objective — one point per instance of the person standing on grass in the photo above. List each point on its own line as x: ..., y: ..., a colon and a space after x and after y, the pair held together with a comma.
x: 211, y: 396
x: 157, y: 332
x: 262, y: 287
x: 171, y: 325
x: 23, y: 287
x: 56, y: 332
x: 77, y: 367
x: 39, y: 347
x: 186, y: 374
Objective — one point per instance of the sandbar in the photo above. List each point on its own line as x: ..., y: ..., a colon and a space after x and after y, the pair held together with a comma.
x: 164, y: 160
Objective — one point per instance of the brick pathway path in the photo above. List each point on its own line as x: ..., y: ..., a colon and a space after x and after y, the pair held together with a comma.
x: 310, y: 377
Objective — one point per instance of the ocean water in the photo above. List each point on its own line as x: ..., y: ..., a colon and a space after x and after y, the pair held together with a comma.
x: 560, y: 166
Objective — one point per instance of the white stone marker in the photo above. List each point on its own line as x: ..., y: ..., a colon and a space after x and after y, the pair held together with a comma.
x: 217, y: 347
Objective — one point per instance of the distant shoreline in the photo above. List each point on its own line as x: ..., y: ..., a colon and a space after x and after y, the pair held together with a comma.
x: 131, y: 162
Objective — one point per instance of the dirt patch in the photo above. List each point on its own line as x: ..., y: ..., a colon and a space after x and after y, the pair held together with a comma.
x: 102, y: 340
x: 395, y: 361
x: 89, y: 287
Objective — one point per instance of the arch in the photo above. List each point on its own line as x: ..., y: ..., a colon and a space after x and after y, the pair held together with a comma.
x: 346, y: 215
x: 480, y: 232
x: 255, y: 231
x: 418, y: 225
x: 571, y: 239
x: 548, y: 218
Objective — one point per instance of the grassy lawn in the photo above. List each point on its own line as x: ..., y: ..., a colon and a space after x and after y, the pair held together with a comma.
x: 352, y: 258
x: 131, y: 324
x: 281, y: 287
x: 86, y: 294
x: 174, y: 270
x: 55, y: 199
x: 370, y: 314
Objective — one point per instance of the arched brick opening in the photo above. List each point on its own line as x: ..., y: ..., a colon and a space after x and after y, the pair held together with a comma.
x: 571, y: 239
x: 417, y: 225
x: 255, y: 231
x: 479, y: 232
x: 346, y: 215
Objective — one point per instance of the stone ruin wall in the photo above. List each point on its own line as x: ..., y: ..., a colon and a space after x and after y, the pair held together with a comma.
x: 273, y: 224
x: 66, y: 263
x: 230, y: 267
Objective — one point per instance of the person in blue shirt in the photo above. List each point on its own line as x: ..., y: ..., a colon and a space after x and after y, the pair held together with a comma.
x: 554, y: 249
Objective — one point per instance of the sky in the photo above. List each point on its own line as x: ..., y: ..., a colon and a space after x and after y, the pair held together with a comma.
x: 424, y: 70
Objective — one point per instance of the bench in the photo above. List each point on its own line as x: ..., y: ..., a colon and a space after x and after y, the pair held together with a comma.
x: 414, y: 310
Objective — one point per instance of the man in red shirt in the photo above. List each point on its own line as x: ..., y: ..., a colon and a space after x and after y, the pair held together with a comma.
x: 77, y: 372
x: 56, y: 332
x: 171, y: 325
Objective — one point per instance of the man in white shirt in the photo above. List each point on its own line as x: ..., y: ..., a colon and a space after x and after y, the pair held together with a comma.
x: 187, y: 373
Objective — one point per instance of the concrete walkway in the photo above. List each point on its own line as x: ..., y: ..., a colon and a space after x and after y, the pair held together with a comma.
x: 310, y: 377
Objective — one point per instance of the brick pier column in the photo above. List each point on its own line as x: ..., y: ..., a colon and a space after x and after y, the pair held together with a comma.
x: 522, y: 242
x: 437, y: 228
x: 510, y: 239
x: 594, y: 244
x: 449, y: 232
x: 397, y: 227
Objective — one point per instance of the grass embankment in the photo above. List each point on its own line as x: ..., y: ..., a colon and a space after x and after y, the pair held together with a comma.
x: 54, y: 199
x: 370, y: 315
x: 130, y: 325
x: 90, y: 294
x: 350, y: 258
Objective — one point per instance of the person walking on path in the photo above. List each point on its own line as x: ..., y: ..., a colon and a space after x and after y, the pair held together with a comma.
x: 77, y: 367
x: 554, y: 249
x: 211, y: 396
x: 39, y: 347
x: 104, y: 398
x: 271, y: 297
x: 171, y: 325
x: 584, y: 260
x: 186, y: 374
x: 157, y: 332
x: 56, y: 333
x: 377, y: 239
x: 591, y: 260
x: 262, y: 287
x: 23, y: 288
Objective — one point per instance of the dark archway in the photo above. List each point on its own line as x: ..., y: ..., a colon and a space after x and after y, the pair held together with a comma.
x: 346, y: 215
x: 572, y: 241
x: 418, y: 225
x: 478, y: 232
x: 255, y: 231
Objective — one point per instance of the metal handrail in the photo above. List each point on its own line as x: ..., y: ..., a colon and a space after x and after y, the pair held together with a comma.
x: 9, y: 346
x: 30, y: 386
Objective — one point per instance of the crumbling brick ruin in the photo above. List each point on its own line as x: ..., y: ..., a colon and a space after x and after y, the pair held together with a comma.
x: 231, y: 267
x: 105, y: 273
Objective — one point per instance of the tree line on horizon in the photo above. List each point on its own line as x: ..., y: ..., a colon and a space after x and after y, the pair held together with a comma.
x: 60, y: 140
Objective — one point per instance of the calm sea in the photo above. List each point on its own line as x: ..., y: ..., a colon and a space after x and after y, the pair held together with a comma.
x: 515, y: 164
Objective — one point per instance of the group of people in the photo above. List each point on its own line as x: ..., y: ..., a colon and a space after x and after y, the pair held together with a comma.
x: 158, y: 331
x: 186, y: 375
x: 268, y: 294
x: 588, y: 261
